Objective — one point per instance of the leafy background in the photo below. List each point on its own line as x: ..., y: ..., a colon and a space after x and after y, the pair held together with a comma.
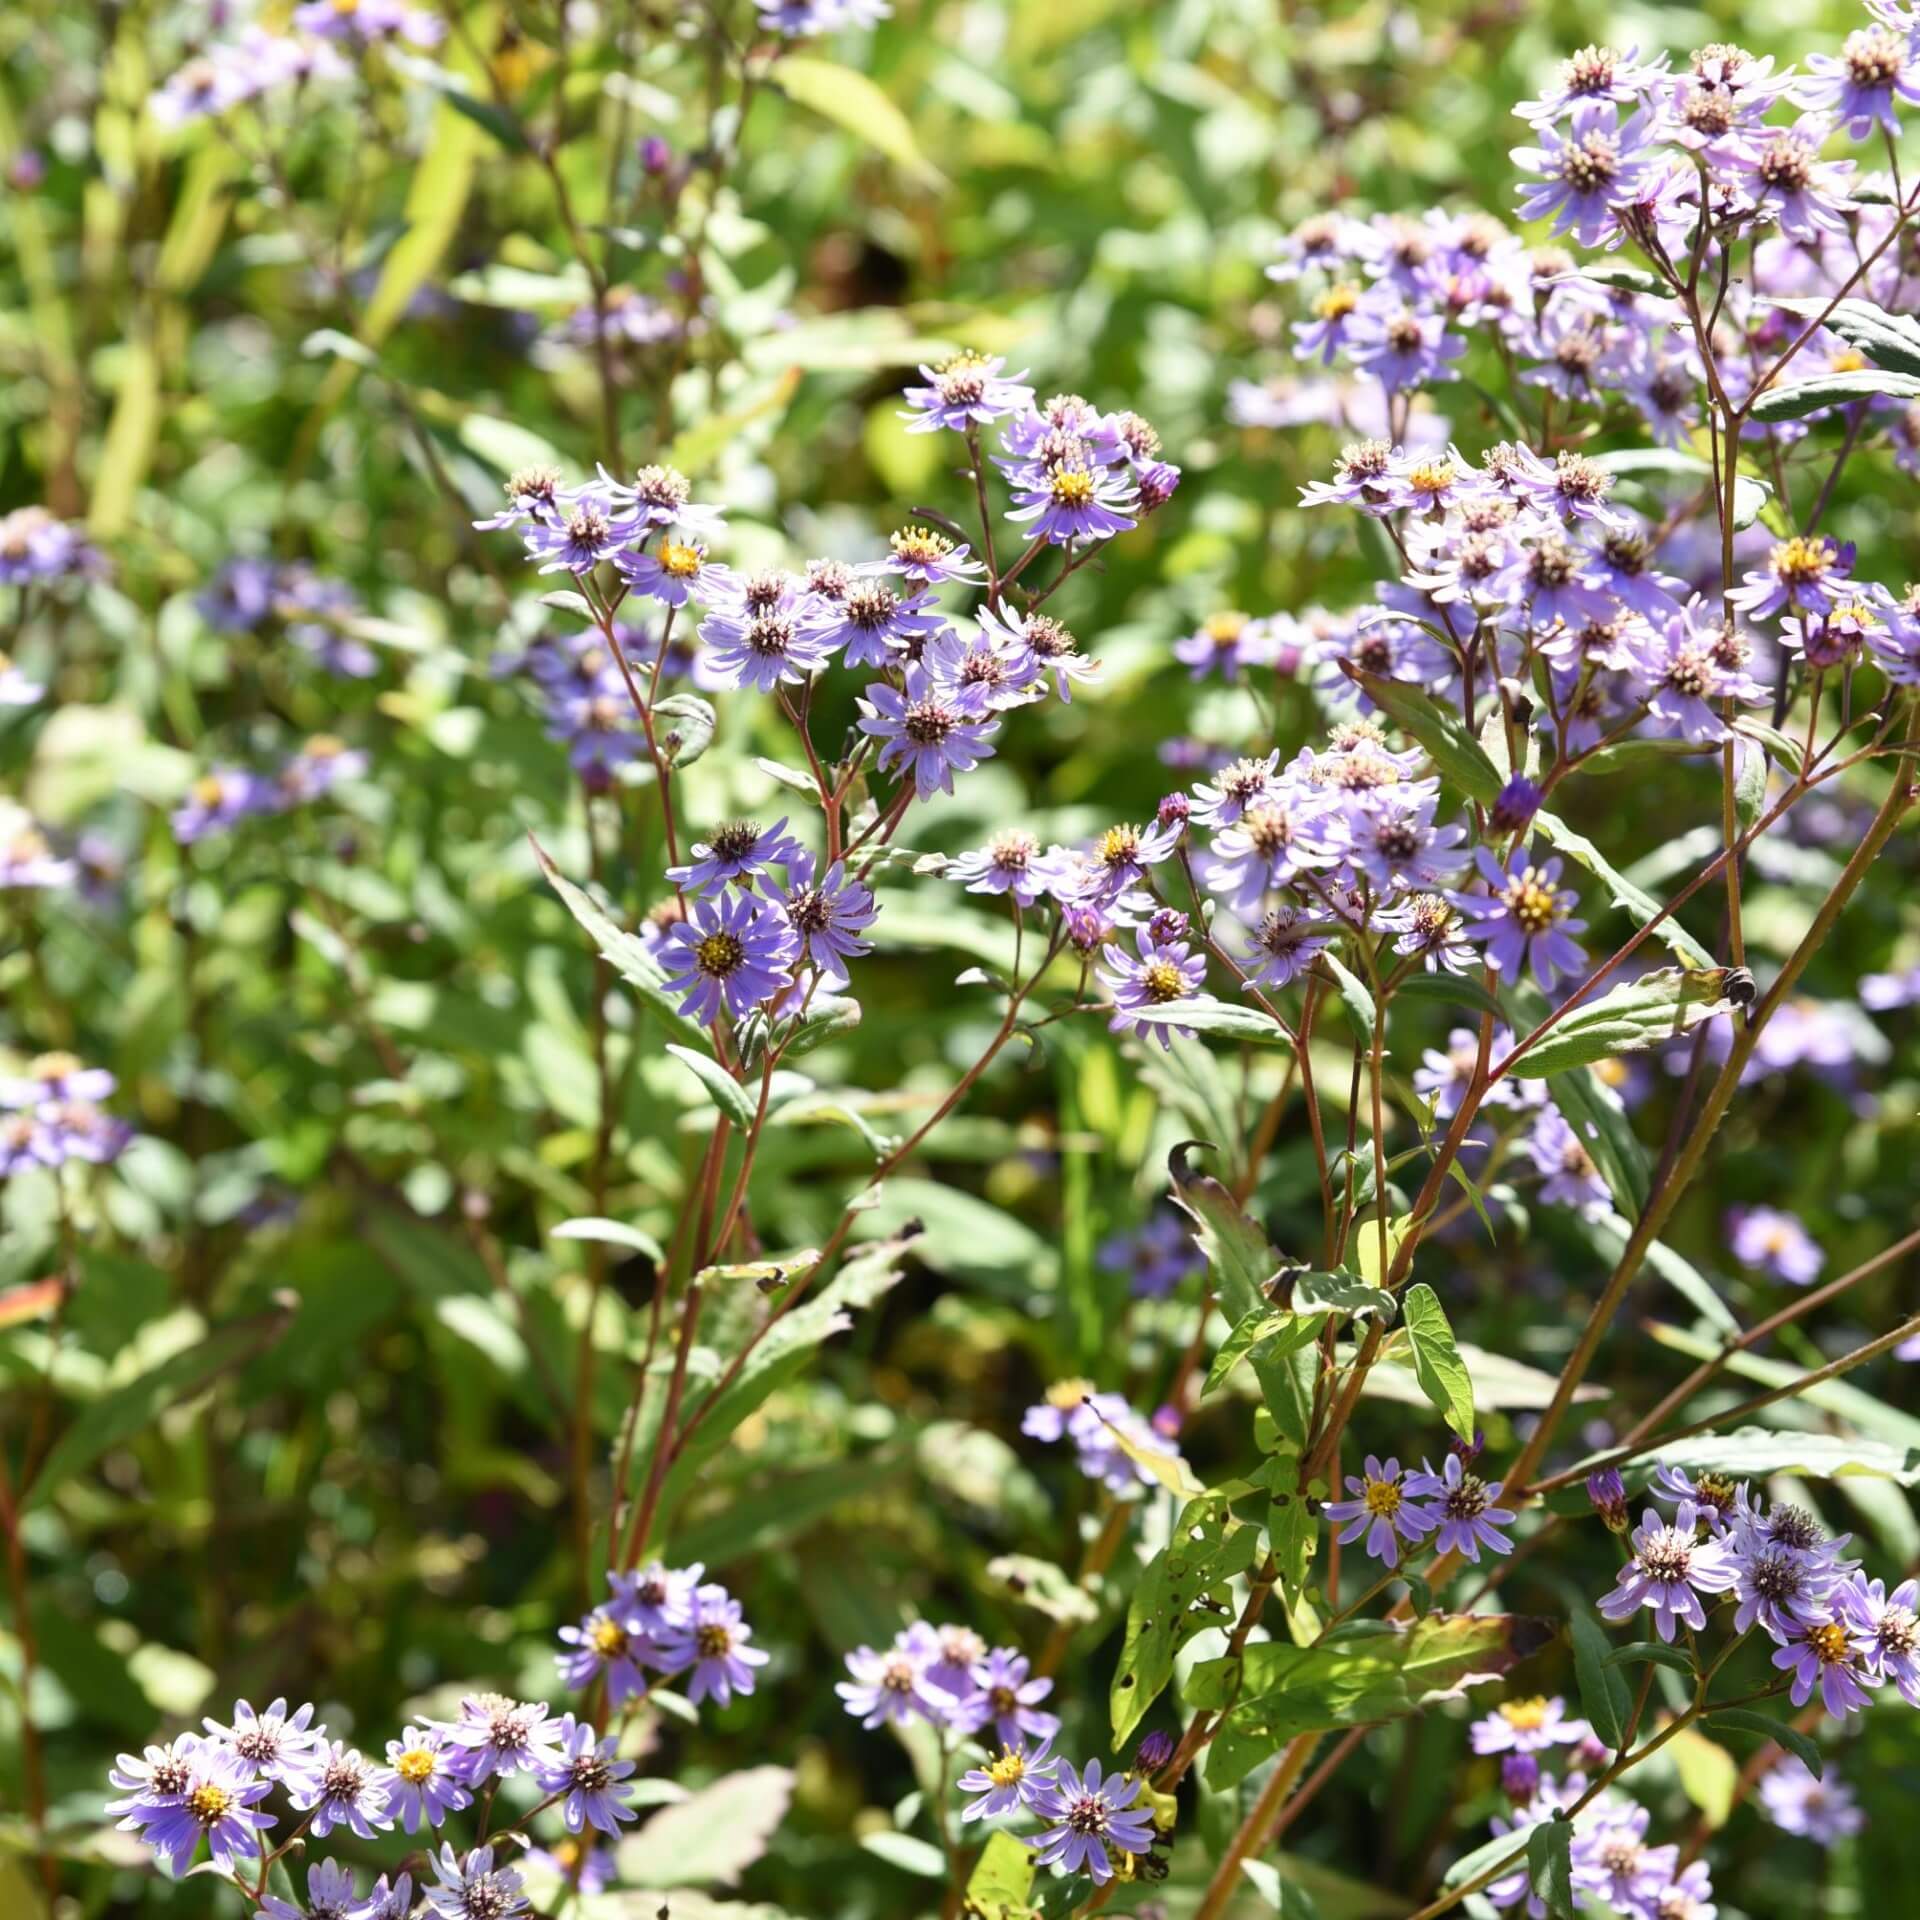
x: 316, y: 1385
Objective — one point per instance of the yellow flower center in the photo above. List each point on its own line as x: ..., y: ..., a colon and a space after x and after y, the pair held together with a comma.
x: 1830, y: 1643
x: 1383, y: 1497
x: 1073, y: 487
x: 1009, y: 1770
x: 713, y: 1640
x: 719, y: 954
x: 609, y: 1638
x: 1068, y: 1393
x: 1525, y: 1716
x: 208, y: 1803
x: 1337, y: 302
x: 678, y: 561
x: 1163, y: 981
x: 415, y: 1766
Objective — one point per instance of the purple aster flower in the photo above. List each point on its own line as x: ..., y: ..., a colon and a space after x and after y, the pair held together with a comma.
x: 1058, y: 652
x: 473, y: 1888
x: 1715, y: 1498
x: 1072, y: 1410
x: 1240, y: 784
x: 738, y: 851
x: 330, y: 1896
x: 344, y: 1790
x: 276, y: 1745
x: 1429, y: 925
x: 1892, y: 1623
x: 1858, y: 86
x: 1783, y: 1586
x: 317, y: 769
x: 389, y: 1899
x: 1527, y: 1726
x: 1157, y: 1257
x: 1569, y: 1177
x: 590, y: 1772
x: 1403, y: 347
x: 675, y: 572
x: 1595, y: 166
x: 880, y: 628
x: 419, y: 1780
x: 1283, y: 946
x: 1078, y: 499
x: 714, y: 1642
x: 765, y: 648
x: 1820, y: 1810
x: 1462, y: 1505
x: 922, y: 554
x: 219, y: 800
x: 1611, y: 1858
x: 1670, y: 1569
x: 1011, y: 863
x: 1381, y: 1511
x: 533, y: 496
x: 496, y: 1735
x: 1833, y: 1655
x: 1161, y: 974
x: 155, y: 1777
x: 731, y: 952
x: 1608, y: 1494
x: 827, y: 916
x: 970, y: 390
x: 1594, y: 73
x: 1395, y: 845
x: 215, y: 1799
x: 988, y: 671
x: 1011, y: 1698
x: 660, y: 497
x: 1774, y: 1242
x: 1121, y: 859
x: 924, y: 732
x: 1786, y: 181
x: 893, y: 1685
x: 1017, y: 1779
x: 655, y: 1601
x: 1268, y: 846
x: 583, y: 1863
x: 1805, y: 573
x: 603, y: 1644
x: 1525, y: 917
x: 1087, y: 1815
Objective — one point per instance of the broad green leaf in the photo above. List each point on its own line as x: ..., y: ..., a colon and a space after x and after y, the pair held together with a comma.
x: 1207, y: 1549
x: 721, y: 1087
x: 1000, y: 1886
x: 1550, y: 1866
x: 713, y: 1836
x: 908, y: 1852
x: 1643, y: 1013
x: 683, y: 725
x: 1605, y: 1697
x: 857, y: 106
x: 126, y: 1412
x: 1368, y: 1671
x: 612, y: 1233
x: 1204, y: 1014
x: 1708, y: 1775
x: 1437, y: 1364
x: 1439, y: 728
x: 1654, y: 1653
x: 1755, y: 1452
x: 1890, y: 340
x: 1795, y: 399
x: 1354, y: 995
x: 1634, y: 901
x: 1046, y: 1588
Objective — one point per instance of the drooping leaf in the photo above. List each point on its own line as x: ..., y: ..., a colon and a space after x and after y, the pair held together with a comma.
x: 857, y: 105
x: 1783, y: 1733
x: 1643, y: 1013
x: 1550, y: 1866
x: 722, y: 1088
x: 1605, y: 1697
x: 1000, y: 1886
x: 1708, y: 1775
x: 908, y: 1852
x: 1437, y: 1364
x: 1756, y: 1452
x: 1795, y: 399
x: 1204, y: 1014
x: 683, y: 725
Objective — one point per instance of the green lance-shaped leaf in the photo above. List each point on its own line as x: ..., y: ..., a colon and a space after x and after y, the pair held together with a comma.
x: 1205, y: 1014
x: 1368, y: 1671
x: 1447, y: 738
x: 1890, y: 340
x: 1550, y: 1866
x: 1437, y: 1364
x: 1644, y: 1013
x: 1782, y: 1733
x: 1798, y: 398
x: 1605, y: 1697
x: 726, y: 1093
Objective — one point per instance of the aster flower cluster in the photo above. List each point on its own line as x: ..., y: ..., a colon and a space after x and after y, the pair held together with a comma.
x: 759, y: 921
x: 1451, y: 1511
x: 659, y: 1624
x: 35, y: 547
x: 1836, y: 1633
x: 213, y: 1789
x: 53, y: 1113
x: 320, y: 615
x: 950, y: 1679
x: 222, y: 798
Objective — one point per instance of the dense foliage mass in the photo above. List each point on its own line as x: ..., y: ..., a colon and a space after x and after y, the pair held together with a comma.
x: 957, y: 963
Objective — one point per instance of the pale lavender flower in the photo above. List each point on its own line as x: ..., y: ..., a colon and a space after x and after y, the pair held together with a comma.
x: 1892, y: 1623
x: 929, y: 557
x: 497, y: 1735
x: 1525, y: 918
x: 1077, y: 500
x: 880, y: 628
x: 970, y: 390
x: 1670, y: 1569
x: 1010, y: 863
x: 675, y: 572
x: 1786, y: 180
x: 215, y: 1799
x: 330, y: 1896
x: 1381, y: 1510
x: 419, y: 1780
x: 715, y: 1643
x: 591, y: 1773
x: 890, y: 1685
x: 473, y: 1888
x: 602, y: 1644
x: 1823, y: 1811
x: 731, y: 953
x: 389, y: 1899
x: 1087, y: 1816
x: 1587, y: 172
x: 220, y: 800
x: 343, y: 1791
x: 286, y: 1748
x: 1159, y: 975
x: 1527, y: 1726
x: 1016, y: 1780
x: 1284, y: 945
x: 1156, y: 1257
x: 828, y: 916
x: 1774, y: 1242
x: 1011, y: 1694
x: 1570, y: 1179
x: 1833, y: 1655
x: 925, y: 734
x: 736, y: 853
x: 1463, y: 1507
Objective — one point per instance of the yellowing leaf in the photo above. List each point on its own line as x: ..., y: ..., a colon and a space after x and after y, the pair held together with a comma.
x: 857, y: 106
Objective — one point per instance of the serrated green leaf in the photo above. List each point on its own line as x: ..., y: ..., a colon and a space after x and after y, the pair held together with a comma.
x: 1437, y: 1364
